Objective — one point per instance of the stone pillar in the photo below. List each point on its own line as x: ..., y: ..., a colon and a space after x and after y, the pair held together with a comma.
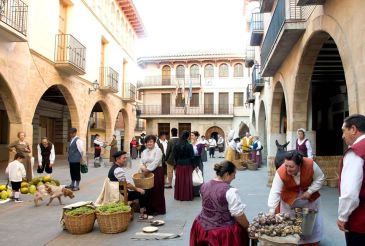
x: 271, y: 148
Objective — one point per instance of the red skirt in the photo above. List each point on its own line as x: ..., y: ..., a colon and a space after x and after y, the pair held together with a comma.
x: 184, y: 183
x: 233, y: 235
x: 156, y: 196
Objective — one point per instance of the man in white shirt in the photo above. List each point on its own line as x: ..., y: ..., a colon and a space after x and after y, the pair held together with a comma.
x: 212, y: 145
x: 351, y: 206
x: 46, y: 156
x: 162, y: 144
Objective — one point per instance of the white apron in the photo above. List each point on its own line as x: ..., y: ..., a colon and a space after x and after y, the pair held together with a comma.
x: 318, y: 226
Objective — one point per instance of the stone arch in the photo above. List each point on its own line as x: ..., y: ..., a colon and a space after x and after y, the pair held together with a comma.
x: 322, y: 28
x: 262, y: 127
x: 9, y: 101
x: 127, y: 135
x: 212, y: 130
x: 279, y: 110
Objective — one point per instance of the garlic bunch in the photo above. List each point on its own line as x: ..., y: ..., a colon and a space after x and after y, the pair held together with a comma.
x: 279, y: 225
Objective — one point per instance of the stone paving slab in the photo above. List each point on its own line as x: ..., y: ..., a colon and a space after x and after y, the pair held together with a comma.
x: 24, y: 224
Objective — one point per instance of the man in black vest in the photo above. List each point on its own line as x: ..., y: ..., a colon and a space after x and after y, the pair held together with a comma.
x: 46, y: 156
x: 117, y: 174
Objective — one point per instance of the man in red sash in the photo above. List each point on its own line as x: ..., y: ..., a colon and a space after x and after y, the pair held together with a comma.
x: 351, y: 207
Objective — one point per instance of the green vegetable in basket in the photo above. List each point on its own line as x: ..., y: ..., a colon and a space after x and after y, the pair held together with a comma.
x: 113, y: 208
x: 80, y: 211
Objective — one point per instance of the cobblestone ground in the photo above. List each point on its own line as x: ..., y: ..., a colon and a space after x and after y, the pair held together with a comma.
x: 24, y: 224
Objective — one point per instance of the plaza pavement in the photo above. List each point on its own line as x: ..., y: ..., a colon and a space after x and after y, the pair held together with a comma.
x: 23, y: 224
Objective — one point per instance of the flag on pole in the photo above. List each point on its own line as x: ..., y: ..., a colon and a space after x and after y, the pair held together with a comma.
x: 177, y: 87
x: 190, y: 90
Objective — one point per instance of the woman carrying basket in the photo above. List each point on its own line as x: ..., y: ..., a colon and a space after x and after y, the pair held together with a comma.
x: 151, y: 160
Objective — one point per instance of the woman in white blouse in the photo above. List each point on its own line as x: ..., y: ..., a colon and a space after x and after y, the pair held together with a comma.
x: 296, y: 184
x: 222, y: 220
x: 151, y: 160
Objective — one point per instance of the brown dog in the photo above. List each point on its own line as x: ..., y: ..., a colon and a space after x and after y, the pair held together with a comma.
x: 52, y: 191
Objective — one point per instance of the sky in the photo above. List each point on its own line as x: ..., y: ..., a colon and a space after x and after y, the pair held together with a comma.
x: 187, y: 25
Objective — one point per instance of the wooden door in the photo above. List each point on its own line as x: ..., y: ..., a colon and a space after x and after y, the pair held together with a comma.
x: 164, y: 127
x: 223, y: 103
x: 208, y: 103
x: 184, y: 127
x: 165, y: 103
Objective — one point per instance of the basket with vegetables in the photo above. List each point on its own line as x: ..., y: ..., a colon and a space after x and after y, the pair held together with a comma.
x: 113, y: 217
x: 79, y: 220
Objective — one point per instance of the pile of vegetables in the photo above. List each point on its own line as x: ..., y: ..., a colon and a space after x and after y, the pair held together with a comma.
x: 113, y: 208
x: 80, y: 211
x: 279, y: 225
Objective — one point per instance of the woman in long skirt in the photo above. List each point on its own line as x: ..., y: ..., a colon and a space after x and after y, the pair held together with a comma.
x: 151, y: 159
x: 133, y: 147
x: 21, y: 146
x: 183, y: 152
x: 113, y: 148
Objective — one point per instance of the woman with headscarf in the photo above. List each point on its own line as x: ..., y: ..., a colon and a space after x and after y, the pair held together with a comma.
x: 184, y: 152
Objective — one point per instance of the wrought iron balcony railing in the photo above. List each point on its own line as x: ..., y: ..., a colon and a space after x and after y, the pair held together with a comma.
x: 256, y: 29
x: 283, y: 21
x: 70, y: 54
x: 250, y: 56
x: 257, y: 81
x: 14, y: 14
x: 250, y: 97
x: 310, y: 2
x: 109, y: 79
x: 203, y: 109
x: 170, y: 81
x: 129, y: 92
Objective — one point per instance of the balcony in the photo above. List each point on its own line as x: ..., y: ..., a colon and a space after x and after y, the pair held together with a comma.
x: 258, y: 82
x: 169, y: 82
x: 250, y: 97
x: 256, y: 29
x: 310, y: 2
x: 129, y: 92
x: 287, y: 25
x: 69, y: 55
x: 203, y: 110
x: 266, y: 5
x: 108, y: 80
x: 250, y: 56
x: 13, y: 20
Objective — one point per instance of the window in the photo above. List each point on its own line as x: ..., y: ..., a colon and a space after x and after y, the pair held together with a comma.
x: 180, y: 71
x: 194, y: 71
x: 238, y: 99
x: 166, y: 75
x: 180, y: 101
x: 223, y: 70
x: 194, y: 102
x: 208, y: 103
x: 209, y: 71
x: 238, y: 70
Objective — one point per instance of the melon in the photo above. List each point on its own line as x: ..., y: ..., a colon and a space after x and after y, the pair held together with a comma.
x: 24, y: 190
x: 2, y: 187
x: 57, y: 182
x: 40, y: 183
x: 32, y: 189
x: 10, y: 193
x: 3, y: 195
x: 47, y: 178
x: 24, y: 185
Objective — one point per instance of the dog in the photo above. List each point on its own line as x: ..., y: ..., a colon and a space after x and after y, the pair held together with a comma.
x: 52, y: 191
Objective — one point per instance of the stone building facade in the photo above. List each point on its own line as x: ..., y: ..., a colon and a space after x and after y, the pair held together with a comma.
x: 61, y: 64
x: 194, y: 91
x: 311, y: 54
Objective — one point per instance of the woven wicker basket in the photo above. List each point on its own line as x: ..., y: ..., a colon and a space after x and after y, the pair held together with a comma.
x: 79, y: 224
x: 252, y: 166
x: 113, y: 223
x: 332, y: 182
x: 144, y: 182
